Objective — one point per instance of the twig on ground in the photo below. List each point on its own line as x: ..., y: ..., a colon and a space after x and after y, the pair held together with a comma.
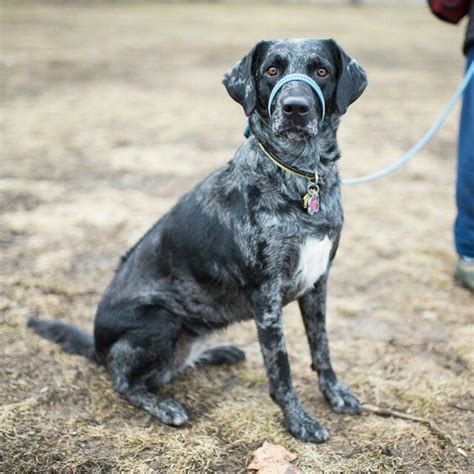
x: 459, y: 407
x: 381, y: 411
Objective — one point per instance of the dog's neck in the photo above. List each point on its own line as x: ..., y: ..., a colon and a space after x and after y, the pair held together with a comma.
x: 300, y: 153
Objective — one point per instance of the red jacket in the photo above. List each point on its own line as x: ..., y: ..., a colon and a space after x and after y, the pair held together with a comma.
x: 469, y: 43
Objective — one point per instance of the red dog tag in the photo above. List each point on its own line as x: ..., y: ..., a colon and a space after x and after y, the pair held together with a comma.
x: 311, y: 200
x: 313, y: 204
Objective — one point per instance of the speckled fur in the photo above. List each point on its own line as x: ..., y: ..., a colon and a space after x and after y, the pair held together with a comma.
x: 231, y: 249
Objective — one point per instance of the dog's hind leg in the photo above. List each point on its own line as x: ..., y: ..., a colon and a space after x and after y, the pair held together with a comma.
x: 141, y: 357
x: 221, y: 355
x: 313, y: 310
x: 128, y: 366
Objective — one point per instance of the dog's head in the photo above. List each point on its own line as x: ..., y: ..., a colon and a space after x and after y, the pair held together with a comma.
x: 296, y: 110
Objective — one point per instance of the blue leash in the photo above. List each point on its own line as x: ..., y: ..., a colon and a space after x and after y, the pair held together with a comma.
x: 424, y: 139
x: 409, y: 154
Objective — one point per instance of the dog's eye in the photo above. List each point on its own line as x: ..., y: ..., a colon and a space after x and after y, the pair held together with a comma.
x: 321, y: 72
x: 272, y: 71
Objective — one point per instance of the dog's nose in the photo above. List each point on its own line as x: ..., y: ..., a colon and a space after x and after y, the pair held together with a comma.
x: 296, y: 107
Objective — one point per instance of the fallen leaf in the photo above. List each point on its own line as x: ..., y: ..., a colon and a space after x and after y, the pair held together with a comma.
x: 273, y: 459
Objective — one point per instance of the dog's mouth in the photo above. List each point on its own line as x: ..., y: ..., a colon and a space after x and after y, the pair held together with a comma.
x: 290, y: 131
x: 294, y: 120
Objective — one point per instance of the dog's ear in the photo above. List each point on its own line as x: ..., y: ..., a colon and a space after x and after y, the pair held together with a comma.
x: 240, y: 81
x: 351, y: 79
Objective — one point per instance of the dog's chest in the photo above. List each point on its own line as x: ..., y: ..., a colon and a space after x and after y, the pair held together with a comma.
x: 313, y: 262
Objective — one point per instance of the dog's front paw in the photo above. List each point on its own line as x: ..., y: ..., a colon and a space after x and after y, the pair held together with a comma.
x: 340, y: 398
x: 304, y: 427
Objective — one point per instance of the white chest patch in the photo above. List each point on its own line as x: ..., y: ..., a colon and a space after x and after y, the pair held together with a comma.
x: 314, y: 259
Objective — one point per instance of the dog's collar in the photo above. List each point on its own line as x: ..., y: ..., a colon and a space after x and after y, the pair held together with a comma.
x: 310, y: 201
x: 310, y: 176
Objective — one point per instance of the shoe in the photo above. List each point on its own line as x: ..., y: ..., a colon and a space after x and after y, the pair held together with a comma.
x: 464, y: 274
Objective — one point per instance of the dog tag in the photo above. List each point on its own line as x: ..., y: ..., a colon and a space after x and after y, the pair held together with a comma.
x: 313, y: 204
x: 311, y: 199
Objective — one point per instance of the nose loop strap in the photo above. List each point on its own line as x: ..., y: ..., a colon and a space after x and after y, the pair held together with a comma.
x: 297, y: 78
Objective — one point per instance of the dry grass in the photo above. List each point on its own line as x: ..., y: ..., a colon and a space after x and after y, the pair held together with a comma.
x: 109, y: 114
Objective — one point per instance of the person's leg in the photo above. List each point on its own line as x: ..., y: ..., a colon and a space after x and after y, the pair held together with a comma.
x: 464, y: 225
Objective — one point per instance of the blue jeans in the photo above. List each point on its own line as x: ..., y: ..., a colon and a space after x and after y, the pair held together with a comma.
x: 464, y: 225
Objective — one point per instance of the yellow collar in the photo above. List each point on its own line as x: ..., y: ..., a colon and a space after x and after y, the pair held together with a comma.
x: 288, y: 168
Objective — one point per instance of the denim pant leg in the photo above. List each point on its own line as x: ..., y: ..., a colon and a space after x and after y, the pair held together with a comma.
x: 464, y: 225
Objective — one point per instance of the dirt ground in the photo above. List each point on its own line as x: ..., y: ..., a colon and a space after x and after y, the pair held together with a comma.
x: 112, y: 112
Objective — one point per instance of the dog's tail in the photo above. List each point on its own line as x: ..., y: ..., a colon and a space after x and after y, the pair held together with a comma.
x: 70, y: 338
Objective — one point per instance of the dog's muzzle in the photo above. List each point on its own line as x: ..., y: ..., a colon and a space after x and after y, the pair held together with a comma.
x: 298, y: 78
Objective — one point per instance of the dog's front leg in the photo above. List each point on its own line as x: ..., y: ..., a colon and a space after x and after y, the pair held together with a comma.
x: 313, y: 310
x: 267, y: 312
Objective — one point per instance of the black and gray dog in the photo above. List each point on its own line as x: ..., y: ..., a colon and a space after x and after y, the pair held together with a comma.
x: 239, y: 245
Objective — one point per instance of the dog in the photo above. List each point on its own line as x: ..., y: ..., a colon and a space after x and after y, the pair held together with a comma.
x: 256, y: 234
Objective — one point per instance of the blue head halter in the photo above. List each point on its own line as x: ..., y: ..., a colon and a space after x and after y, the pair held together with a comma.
x: 297, y: 78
